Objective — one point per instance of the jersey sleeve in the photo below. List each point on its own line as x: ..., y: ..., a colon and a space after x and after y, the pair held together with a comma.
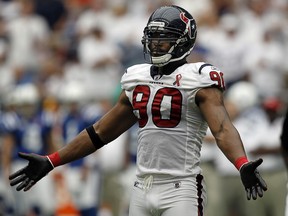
x: 210, y: 75
x: 133, y: 76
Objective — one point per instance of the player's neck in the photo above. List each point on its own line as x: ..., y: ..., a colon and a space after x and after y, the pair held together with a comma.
x: 170, y: 68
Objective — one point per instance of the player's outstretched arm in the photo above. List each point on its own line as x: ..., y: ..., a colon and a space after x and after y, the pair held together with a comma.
x: 108, y: 128
x: 210, y: 102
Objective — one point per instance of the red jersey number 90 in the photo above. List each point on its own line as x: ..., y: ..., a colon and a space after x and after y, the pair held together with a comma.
x: 141, y: 97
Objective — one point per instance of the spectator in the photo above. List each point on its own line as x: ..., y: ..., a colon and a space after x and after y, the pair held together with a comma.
x: 266, y: 145
x: 53, y: 11
x: 266, y: 67
x: 28, y: 35
x: 230, y: 49
x: 99, y: 59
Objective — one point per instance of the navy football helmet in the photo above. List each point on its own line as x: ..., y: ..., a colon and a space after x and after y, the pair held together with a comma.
x: 171, y: 25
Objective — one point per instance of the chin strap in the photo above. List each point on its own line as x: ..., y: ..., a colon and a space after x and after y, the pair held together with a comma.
x: 161, y: 60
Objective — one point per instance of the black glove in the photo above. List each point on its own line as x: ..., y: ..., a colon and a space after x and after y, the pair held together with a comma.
x: 37, y: 168
x: 251, y: 179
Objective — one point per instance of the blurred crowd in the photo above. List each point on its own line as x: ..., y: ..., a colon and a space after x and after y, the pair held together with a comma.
x: 60, y: 66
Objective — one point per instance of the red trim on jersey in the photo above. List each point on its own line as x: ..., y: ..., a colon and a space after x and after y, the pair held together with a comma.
x: 199, y: 179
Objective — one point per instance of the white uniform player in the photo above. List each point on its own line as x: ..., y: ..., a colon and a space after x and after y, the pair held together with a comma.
x: 169, y: 102
x: 173, y: 103
x: 171, y: 155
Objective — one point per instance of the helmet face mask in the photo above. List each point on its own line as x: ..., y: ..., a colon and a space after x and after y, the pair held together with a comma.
x: 169, y: 35
x: 159, y: 42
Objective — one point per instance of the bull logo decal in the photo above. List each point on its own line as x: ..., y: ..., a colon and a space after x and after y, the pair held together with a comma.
x: 188, y: 23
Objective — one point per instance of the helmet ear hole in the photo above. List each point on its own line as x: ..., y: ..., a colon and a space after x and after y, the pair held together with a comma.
x: 182, y: 48
x: 179, y: 51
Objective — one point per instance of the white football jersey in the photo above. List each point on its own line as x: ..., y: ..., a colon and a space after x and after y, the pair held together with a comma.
x: 171, y: 126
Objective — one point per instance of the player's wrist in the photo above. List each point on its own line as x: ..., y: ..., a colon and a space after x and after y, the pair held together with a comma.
x: 239, y: 162
x: 54, y: 159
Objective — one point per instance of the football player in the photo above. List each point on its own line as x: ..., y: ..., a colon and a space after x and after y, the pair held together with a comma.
x: 173, y: 102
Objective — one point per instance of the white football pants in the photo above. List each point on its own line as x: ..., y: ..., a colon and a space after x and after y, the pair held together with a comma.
x: 178, y: 196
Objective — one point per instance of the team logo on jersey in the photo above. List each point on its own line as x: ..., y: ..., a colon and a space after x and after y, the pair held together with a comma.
x: 177, y: 81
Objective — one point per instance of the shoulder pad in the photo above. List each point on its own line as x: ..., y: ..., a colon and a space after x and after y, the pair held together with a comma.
x: 211, y: 75
x: 134, y: 75
x: 136, y: 68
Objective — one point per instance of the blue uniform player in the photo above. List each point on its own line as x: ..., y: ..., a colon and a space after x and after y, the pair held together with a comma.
x: 26, y: 128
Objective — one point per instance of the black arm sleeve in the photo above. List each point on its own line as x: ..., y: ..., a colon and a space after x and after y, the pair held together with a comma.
x: 284, y: 135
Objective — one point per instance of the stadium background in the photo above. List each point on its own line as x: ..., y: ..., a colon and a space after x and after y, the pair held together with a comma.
x: 73, y: 52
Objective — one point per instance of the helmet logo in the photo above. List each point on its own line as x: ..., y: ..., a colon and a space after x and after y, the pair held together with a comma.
x: 184, y: 18
x: 187, y: 21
